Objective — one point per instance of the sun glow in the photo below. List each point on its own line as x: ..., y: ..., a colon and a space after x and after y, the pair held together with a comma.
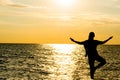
x: 66, y: 49
x: 64, y: 3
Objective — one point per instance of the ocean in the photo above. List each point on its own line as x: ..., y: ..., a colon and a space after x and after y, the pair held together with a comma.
x: 55, y: 62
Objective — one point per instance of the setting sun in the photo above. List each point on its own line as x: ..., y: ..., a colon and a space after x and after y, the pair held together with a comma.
x: 65, y: 3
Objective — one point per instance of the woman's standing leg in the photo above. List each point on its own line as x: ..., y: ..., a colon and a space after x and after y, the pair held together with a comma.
x: 92, y: 68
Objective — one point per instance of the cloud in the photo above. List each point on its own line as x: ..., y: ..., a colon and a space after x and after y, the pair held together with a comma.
x: 5, y: 2
x: 117, y: 6
x: 17, y: 5
x: 11, y: 3
x: 99, y: 19
x: 105, y: 21
x: 115, y: 0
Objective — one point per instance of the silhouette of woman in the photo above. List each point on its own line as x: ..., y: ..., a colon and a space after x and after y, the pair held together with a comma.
x: 90, y: 46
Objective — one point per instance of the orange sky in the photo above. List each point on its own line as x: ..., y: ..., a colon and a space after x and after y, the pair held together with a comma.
x: 54, y: 21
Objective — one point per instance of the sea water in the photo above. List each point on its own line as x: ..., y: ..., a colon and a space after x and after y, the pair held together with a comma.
x: 55, y: 62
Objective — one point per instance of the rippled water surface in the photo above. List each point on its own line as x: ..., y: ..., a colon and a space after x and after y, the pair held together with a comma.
x: 55, y: 62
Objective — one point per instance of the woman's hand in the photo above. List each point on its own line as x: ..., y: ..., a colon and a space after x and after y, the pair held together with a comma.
x: 111, y: 37
x: 71, y: 39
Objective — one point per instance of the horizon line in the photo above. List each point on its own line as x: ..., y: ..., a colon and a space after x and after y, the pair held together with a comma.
x: 45, y: 43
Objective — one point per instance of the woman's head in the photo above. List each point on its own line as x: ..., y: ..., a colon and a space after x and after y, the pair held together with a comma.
x: 91, y: 35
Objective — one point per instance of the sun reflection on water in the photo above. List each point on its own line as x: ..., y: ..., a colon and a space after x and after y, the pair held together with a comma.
x: 64, y: 64
x: 66, y: 48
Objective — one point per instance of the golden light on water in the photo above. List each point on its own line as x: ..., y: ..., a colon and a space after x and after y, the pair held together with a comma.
x: 64, y: 63
x: 66, y: 49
